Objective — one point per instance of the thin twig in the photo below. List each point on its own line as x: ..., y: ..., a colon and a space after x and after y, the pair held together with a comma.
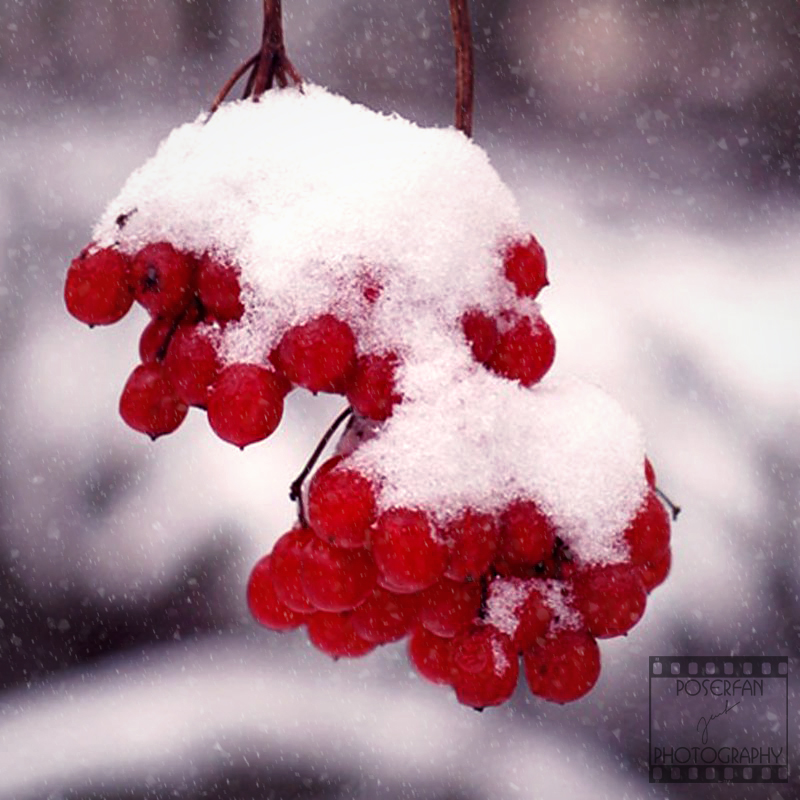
x: 465, y: 64
x: 232, y: 81
x: 673, y: 509
x: 296, y: 487
x: 273, y: 63
x: 268, y: 65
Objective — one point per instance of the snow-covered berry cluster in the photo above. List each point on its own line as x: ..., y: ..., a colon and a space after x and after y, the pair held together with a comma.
x: 475, y: 506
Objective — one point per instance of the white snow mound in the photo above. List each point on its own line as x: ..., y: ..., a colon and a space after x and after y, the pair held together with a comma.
x: 313, y: 197
x: 316, y: 199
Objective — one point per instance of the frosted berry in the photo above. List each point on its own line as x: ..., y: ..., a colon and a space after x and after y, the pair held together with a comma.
x: 473, y: 540
x: 318, y: 355
x: 371, y: 389
x: 264, y: 604
x: 449, y: 608
x: 336, y: 579
x: 431, y: 656
x: 287, y: 556
x: 485, y: 667
x: 564, y: 668
x: 98, y: 289
x: 654, y: 573
x: 527, y: 536
x: 193, y: 364
x: 525, y: 266
x: 524, y: 352
x: 149, y: 404
x: 647, y: 535
x: 154, y: 340
x: 245, y: 405
x: 335, y: 636
x: 341, y: 506
x: 219, y: 289
x: 163, y: 279
x: 610, y: 598
x: 534, y: 618
x: 405, y: 550
x: 482, y: 334
x: 386, y: 617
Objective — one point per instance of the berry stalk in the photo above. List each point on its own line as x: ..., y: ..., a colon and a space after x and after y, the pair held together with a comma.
x: 296, y: 487
x: 465, y: 64
x: 268, y: 65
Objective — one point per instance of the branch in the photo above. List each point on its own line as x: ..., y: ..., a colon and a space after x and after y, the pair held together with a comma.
x: 268, y: 65
x: 232, y: 81
x: 465, y: 64
x: 273, y: 63
x: 296, y: 487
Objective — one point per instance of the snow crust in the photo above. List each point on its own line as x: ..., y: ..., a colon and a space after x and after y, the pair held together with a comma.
x: 314, y: 197
x: 482, y: 441
x: 505, y: 600
x: 317, y: 199
x: 507, y: 596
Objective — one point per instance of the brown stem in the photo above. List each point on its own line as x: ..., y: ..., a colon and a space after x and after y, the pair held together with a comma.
x: 296, y: 487
x: 268, y: 65
x: 273, y: 63
x: 674, y: 510
x: 465, y: 64
x: 232, y: 81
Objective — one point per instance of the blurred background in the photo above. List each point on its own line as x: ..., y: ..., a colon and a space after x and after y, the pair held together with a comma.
x: 654, y: 147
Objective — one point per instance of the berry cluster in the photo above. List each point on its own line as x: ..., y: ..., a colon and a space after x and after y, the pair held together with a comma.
x: 192, y: 299
x: 473, y: 507
x: 473, y: 594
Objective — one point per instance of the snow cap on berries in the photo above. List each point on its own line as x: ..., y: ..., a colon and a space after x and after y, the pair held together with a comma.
x: 323, y: 204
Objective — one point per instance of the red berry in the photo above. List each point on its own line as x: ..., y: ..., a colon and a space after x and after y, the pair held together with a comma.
x: 654, y: 573
x: 431, y: 656
x: 245, y: 405
x: 163, y: 279
x: 385, y: 616
x: 405, y: 551
x: 647, y: 534
x: 335, y: 635
x: 610, y: 598
x: 482, y: 334
x: 525, y: 266
x: 328, y: 465
x: 649, y: 473
x: 473, y: 540
x: 341, y: 506
x: 336, y: 579
x: 533, y: 621
x: 98, y: 289
x: 154, y: 340
x: 371, y: 389
x: 219, y: 290
x: 193, y: 364
x: 287, y: 557
x: 564, y: 566
x: 564, y: 668
x: 449, y: 608
x: 149, y: 403
x: 318, y: 355
x: 527, y: 536
x: 524, y: 352
x: 384, y: 583
x: 485, y: 667
x: 264, y: 604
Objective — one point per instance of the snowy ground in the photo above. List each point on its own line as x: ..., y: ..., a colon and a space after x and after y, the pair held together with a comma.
x: 688, y: 319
